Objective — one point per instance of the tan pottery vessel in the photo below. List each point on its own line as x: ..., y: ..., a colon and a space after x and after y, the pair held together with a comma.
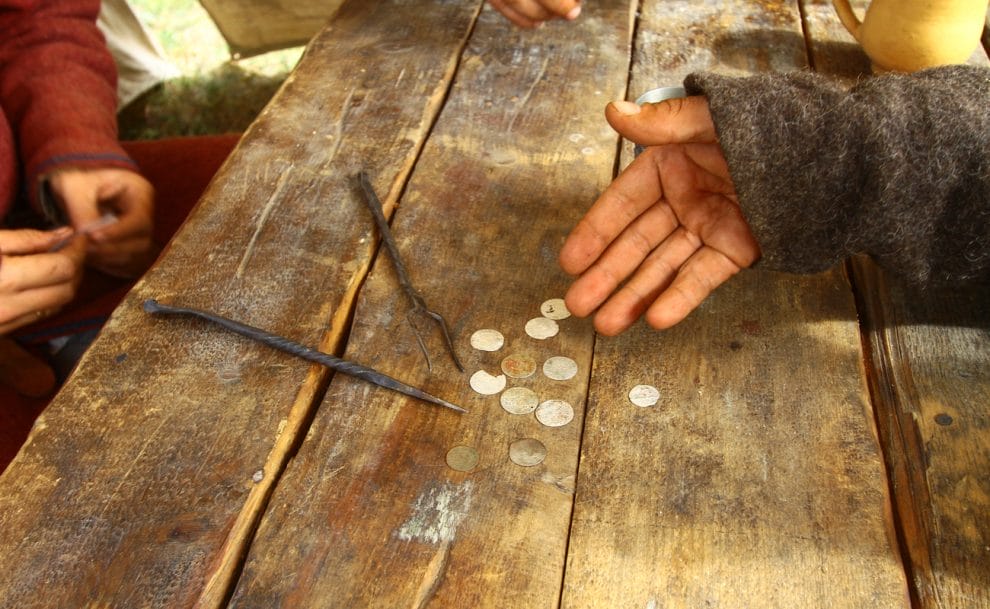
x: 909, y: 35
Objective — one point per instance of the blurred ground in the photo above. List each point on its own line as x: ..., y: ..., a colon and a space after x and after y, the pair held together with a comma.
x: 215, y: 93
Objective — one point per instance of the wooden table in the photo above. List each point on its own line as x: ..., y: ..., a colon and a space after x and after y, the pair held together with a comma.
x: 820, y: 441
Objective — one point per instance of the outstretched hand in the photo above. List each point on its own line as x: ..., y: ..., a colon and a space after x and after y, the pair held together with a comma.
x: 667, y: 231
x: 532, y: 13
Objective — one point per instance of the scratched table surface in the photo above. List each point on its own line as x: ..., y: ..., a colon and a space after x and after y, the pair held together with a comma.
x: 819, y: 441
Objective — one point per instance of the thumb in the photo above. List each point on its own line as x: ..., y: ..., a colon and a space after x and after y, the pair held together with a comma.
x: 673, y: 121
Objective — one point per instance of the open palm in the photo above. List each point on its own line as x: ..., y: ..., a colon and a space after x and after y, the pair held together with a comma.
x: 667, y: 231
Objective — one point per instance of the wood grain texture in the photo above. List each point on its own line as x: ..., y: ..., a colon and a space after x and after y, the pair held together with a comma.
x: 929, y: 354
x: 142, y: 483
x: 757, y: 481
x: 368, y: 514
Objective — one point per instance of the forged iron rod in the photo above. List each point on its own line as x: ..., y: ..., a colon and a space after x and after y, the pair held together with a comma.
x: 283, y: 344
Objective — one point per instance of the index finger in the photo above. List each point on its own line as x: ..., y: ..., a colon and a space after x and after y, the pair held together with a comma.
x: 29, y: 272
x: 635, y: 190
x: 31, y: 241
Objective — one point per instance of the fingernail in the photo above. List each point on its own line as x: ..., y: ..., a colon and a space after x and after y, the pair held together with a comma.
x: 626, y: 107
x: 573, y: 14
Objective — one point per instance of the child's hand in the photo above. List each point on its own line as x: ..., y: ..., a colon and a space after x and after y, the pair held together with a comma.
x: 667, y: 231
x: 531, y: 13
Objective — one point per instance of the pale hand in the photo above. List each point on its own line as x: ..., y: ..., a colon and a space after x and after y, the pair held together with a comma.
x: 34, y: 281
x: 532, y: 13
x: 667, y: 231
x: 125, y: 247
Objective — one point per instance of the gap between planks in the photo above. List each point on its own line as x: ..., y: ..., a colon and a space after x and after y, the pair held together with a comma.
x: 221, y: 584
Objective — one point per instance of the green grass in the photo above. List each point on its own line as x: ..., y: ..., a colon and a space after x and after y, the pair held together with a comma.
x: 215, y: 94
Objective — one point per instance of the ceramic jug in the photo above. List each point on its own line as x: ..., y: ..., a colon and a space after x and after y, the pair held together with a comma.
x: 909, y: 35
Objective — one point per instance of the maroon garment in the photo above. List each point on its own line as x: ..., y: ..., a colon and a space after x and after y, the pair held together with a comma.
x: 195, y: 159
x: 58, y: 94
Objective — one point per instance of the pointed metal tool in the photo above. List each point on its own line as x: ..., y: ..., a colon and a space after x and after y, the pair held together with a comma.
x: 283, y: 344
x: 418, y: 304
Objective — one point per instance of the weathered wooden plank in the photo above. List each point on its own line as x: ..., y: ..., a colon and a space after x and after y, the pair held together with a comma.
x: 929, y: 355
x: 142, y: 483
x: 369, y: 514
x: 757, y: 480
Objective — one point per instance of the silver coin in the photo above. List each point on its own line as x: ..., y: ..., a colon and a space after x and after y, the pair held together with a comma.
x: 462, y: 458
x: 644, y: 395
x: 554, y: 413
x: 527, y: 452
x: 487, y: 384
x: 519, y: 400
x: 555, y: 309
x: 560, y: 368
x: 519, y: 365
x: 542, y: 328
x: 487, y: 340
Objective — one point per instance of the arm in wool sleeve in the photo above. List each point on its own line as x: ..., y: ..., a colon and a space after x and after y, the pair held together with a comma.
x: 897, y: 167
x: 58, y: 87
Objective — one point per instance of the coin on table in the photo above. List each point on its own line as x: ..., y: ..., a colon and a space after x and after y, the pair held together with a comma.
x: 555, y: 309
x: 527, y: 452
x: 519, y: 400
x: 519, y: 365
x: 462, y: 458
x: 644, y: 395
x: 560, y: 368
x: 487, y: 340
x: 542, y: 328
x: 487, y: 384
x: 554, y: 413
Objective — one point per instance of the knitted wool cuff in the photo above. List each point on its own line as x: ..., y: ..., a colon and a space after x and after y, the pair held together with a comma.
x: 898, y: 167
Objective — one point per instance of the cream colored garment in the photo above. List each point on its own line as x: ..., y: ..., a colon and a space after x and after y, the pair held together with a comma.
x: 252, y: 27
x: 141, y: 64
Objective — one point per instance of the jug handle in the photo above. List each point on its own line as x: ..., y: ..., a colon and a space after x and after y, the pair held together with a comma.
x: 847, y: 17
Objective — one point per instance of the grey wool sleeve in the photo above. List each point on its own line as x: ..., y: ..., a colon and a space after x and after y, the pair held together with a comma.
x: 897, y: 167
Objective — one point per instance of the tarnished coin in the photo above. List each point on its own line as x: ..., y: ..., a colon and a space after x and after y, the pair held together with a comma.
x: 554, y: 413
x: 560, y: 368
x: 462, y: 458
x: 486, y: 384
x: 542, y: 328
x: 644, y: 395
x: 519, y: 400
x: 487, y: 340
x: 527, y: 452
x: 519, y: 365
x: 555, y: 309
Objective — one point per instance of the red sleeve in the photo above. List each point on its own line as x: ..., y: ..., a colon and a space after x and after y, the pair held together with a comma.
x: 58, y: 86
